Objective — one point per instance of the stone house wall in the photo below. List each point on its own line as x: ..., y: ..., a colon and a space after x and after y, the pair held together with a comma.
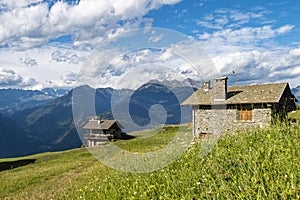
x: 219, y: 119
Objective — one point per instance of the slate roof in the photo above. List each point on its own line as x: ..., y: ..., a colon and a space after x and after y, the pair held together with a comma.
x: 104, y: 124
x: 262, y: 93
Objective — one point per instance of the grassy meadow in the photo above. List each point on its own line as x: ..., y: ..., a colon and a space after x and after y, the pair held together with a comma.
x: 258, y: 164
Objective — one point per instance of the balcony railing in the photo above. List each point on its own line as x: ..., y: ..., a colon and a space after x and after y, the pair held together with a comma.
x: 90, y: 136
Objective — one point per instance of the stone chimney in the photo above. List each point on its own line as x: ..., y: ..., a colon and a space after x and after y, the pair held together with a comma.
x: 206, y: 86
x: 220, y: 90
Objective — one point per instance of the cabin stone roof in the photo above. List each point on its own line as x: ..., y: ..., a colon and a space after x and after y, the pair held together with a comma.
x: 261, y: 93
x: 101, y: 124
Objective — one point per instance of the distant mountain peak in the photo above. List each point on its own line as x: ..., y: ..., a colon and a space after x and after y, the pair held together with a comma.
x: 175, y: 83
x: 13, y: 100
x: 54, y: 92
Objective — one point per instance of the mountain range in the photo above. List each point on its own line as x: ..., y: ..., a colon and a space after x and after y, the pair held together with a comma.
x: 39, y: 121
x: 13, y: 100
x: 14, y: 141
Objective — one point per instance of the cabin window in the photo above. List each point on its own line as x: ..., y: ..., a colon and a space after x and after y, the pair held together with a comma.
x: 245, y: 115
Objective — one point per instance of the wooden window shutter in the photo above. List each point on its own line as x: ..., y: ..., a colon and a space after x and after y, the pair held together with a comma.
x: 249, y: 115
x: 245, y: 115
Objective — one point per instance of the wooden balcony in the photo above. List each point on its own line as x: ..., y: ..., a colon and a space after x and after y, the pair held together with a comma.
x: 91, y: 136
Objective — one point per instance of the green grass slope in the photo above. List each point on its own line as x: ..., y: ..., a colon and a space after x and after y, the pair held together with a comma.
x: 261, y: 164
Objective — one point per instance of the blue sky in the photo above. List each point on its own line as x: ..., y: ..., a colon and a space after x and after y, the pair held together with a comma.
x: 187, y: 15
x: 50, y: 43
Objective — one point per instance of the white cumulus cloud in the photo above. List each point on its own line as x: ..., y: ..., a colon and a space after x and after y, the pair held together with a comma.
x: 9, y: 78
x: 295, y: 52
x: 32, y: 23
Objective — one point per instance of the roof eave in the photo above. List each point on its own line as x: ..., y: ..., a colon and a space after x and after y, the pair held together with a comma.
x: 228, y: 103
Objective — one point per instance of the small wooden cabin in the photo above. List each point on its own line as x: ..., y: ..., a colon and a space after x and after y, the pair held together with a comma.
x: 99, y: 131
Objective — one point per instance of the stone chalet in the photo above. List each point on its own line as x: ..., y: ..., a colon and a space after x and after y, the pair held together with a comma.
x: 99, y: 131
x: 238, y: 107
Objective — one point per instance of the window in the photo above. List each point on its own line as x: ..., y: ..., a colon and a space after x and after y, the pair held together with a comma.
x: 245, y: 115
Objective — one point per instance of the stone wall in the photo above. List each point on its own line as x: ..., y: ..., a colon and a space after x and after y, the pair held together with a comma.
x: 217, y: 120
